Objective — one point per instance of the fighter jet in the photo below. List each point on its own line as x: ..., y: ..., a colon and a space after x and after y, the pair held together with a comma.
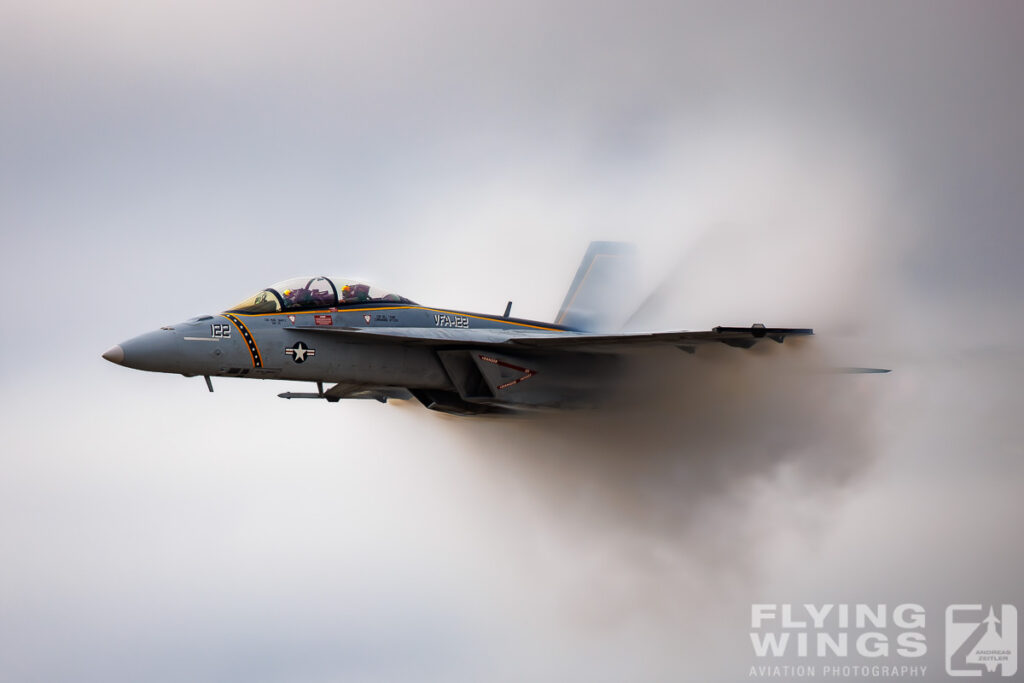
x: 369, y: 343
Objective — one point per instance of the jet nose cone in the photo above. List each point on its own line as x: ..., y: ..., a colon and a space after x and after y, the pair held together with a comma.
x: 156, y: 351
x: 115, y: 354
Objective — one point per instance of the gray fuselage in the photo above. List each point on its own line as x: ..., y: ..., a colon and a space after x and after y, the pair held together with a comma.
x: 281, y: 345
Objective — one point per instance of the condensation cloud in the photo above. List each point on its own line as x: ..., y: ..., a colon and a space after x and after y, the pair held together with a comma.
x: 845, y: 167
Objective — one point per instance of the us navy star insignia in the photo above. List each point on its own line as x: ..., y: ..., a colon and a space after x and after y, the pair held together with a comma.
x: 300, y: 352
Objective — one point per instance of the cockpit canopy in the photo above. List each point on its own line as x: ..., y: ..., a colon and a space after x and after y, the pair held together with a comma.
x: 314, y: 292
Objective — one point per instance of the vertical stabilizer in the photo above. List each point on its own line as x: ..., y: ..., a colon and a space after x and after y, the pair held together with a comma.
x: 601, y: 294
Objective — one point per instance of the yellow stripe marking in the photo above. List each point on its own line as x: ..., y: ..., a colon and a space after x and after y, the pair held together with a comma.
x: 402, y: 308
x: 250, y: 342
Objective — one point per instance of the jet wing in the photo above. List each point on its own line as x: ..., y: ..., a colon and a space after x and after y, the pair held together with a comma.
x: 742, y: 337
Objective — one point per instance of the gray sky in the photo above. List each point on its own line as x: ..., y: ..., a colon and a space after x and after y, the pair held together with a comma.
x: 854, y: 167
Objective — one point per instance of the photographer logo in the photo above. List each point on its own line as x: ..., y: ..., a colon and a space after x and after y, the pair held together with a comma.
x: 980, y: 641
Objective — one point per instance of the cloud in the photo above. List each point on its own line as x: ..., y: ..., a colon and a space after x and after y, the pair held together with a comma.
x: 839, y: 167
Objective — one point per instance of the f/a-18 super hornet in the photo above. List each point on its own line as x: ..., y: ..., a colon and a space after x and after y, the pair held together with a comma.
x: 372, y: 344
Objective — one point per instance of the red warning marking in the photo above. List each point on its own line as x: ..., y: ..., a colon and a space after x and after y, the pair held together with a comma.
x: 527, y: 372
